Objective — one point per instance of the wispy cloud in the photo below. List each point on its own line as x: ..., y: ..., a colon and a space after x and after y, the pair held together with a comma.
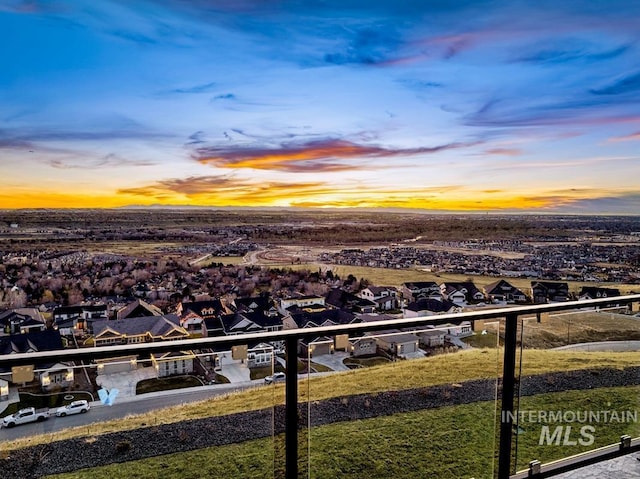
x: 580, y: 51
x: 630, y: 137
x: 506, y: 112
x: 110, y: 160
x: 43, y: 134
x: 315, y: 155
x: 227, y: 190
x: 193, y: 89
x: 504, y: 151
x: 627, y: 84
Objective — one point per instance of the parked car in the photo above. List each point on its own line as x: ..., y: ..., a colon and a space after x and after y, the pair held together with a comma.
x: 76, y: 407
x: 24, y: 416
x: 275, y: 378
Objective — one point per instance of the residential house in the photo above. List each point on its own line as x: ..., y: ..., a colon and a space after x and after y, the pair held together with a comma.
x: 462, y: 293
x: 260, y: 355
x: 311, y: 317
x: 139, y: 330
x: 363, y: 346
x: 547, y: 291
x: 342, y: 299
x: 50, y: 374
x: 79, y: 318
x: 504, y: 292
x: 115, y: 365
x: 461, y: 330
x: 15, y: 322
x: 432, y: 338
x: 263, y: 302
x: 317, y: 346
x: 398, y: 343
x: 385, y: 297
x: 300, y: 301
x: 393, y: 341
x: 593, y: 292
x: 173, y: 363
x: 415, y: 290
x: 138, y: 309
x: 194, y: 313
x: 56, y: 376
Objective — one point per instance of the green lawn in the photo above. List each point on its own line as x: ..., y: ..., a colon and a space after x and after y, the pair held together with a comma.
x: 163, y: 384
x: 444, y: 443
x: 482, y: 340
x: 355, y: 363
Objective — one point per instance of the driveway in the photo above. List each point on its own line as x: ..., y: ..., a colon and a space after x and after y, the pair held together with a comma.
x: 333, y: 361
x: 125, y: 382
x: 234, y: 370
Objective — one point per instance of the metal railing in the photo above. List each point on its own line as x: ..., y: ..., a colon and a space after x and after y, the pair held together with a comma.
x: 291, y: 337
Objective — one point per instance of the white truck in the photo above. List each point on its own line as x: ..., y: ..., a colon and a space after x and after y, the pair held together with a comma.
x: 23, y: 416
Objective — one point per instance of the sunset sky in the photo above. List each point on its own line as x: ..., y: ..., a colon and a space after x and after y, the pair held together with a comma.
x: 440, y: 105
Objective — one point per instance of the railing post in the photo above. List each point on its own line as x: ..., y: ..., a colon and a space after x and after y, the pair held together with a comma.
x: 291, y: 409
x: 508, y: 390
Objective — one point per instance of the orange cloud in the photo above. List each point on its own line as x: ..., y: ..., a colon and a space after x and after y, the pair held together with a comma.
x: 313, y: 156
x: 224, y: 190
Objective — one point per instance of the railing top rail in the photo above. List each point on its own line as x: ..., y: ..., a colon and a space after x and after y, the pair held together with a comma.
x: 354, y: 329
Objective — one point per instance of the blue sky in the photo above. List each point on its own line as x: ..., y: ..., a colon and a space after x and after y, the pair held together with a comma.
x: 446, y: 106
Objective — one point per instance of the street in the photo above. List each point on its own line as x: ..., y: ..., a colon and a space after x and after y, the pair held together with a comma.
x: 122, y: 408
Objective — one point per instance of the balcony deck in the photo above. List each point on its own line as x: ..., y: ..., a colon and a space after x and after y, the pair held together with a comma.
x: 625, y: 467
x: 602, y: 462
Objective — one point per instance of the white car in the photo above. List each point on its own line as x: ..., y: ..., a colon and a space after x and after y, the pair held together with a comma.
x: 76, y: 407
x: 275, y: 378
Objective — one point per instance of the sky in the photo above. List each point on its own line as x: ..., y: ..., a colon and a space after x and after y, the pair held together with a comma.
x: 440, y: 105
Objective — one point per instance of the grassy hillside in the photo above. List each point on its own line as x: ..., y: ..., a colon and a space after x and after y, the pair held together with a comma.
x: 447, y: 443
x: 400, y: 375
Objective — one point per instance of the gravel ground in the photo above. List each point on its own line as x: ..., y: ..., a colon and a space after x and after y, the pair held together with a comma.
x: 74, y: 454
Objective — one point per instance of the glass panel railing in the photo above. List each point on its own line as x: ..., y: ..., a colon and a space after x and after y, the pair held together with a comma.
x: 404, y: 403
x: 205, y: 413
x: 579, y: 383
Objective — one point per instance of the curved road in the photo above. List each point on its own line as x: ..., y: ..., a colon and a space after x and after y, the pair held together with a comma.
x: 122, y: 408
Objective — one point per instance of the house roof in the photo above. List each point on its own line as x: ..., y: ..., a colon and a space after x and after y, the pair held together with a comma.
x: 137, y: 309
x: 174, y: 355
x: 431, y: 304
x: 344, y: 300
x: 418, y: 285
x: 238, y: 323
x: 78, y: 309
x: 204, y: 309
x: 501, y: 286
x: 306, y: 319
x: 597, y: 292
x: 47, y: 340
x: 370, y: 318
x: 156, y: 326
x: 459, y: 286
x: 549, y: 285
x: 253, y: 303
x: 380, y: 289
x: 213, y: 324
